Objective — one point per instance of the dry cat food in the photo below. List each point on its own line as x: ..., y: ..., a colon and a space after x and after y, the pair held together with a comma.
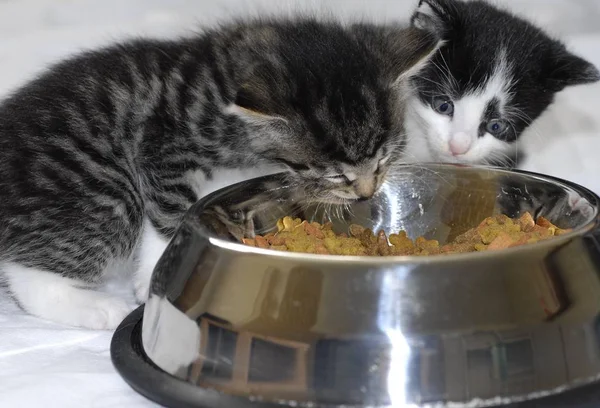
x: 497, y: 232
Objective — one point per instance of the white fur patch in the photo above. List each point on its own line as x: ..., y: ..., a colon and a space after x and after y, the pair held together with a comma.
x: 53, y: 297
x: 441, y: 138
x: 152, y: 246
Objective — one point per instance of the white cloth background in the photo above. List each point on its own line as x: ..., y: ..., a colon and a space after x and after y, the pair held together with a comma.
x: 47, y: 365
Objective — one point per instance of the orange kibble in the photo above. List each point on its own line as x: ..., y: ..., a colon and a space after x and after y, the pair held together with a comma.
x: 493, y: 233
x: 277, y: 240
x: 261, y: 242
x: 356, y: 230
x: 320, y: 249
x: 502, y: 241
x: 543, y: 222
x: 526, y: 222
x: 249, y: 241
x: 486, y: 222
x: 313, y: 230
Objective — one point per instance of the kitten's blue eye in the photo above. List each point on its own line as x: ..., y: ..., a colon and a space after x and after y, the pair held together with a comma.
x: 496, y: 127
x: 443, y: 106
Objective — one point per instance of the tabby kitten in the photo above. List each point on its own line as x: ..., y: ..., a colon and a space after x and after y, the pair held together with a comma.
x: 495, y: 74
x: 101, y: 156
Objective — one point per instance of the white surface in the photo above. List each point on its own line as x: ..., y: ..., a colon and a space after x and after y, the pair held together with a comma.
x: 47, y: 365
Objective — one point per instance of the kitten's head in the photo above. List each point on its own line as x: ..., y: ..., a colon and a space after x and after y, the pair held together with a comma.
x: 323, y: 100
x: 493, y: 76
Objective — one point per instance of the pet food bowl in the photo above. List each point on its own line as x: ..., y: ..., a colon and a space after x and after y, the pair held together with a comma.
x: 227, y: 325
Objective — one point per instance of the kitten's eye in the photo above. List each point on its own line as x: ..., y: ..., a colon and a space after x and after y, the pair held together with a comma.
x: 294, y: 166
x: 381, y: 164
x: 338, y: 178
x: 383, y: 161
x: 496, y: 127
x: 443, y: 106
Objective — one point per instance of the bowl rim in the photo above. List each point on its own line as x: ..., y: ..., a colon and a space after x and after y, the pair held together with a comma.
x: 553, y: 243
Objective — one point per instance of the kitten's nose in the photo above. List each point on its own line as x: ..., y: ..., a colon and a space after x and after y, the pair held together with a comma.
x: 459, y: 144
x: 364, y: 196
x: 365, y: 188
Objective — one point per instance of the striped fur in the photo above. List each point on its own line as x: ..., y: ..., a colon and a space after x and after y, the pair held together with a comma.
x: 107, y: 150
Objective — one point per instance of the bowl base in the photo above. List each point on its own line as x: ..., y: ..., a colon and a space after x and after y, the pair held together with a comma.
x: 147, y: 379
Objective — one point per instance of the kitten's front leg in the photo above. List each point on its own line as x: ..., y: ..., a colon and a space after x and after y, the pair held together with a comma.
x: 151, y: 248
x: 67, y: 301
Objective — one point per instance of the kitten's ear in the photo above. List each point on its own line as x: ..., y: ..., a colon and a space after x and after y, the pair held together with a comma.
x: 256, y: 100
x: 570, y: 70
x: 412, y: 49
x: 435, y: 16
x: 254, y: 96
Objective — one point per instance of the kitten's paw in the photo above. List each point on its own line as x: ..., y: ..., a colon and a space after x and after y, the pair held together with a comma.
x: 99, y: 312
x: 106, y: 314
x: 141, y: 286
x: 61, y: 300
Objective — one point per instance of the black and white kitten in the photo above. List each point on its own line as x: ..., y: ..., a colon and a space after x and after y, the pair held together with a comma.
x: 101, y: 156
x: 495, y: 74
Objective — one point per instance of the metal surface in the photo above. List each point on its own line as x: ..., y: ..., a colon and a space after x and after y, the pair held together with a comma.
x: 295, y: 329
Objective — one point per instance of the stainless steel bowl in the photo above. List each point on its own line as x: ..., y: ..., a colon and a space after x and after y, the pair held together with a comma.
x: 287, y: 329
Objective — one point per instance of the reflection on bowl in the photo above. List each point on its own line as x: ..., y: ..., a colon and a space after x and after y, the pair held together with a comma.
x: 357, y: 331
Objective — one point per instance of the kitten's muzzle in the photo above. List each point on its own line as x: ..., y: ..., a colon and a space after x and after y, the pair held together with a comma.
x: 365, y: 188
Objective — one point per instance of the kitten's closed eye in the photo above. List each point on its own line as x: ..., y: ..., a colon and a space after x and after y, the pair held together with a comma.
x: 293, y: 165
x: 384, y: 161
x: 382, y: 164
x: 338, y: 179
x: 347, y: 177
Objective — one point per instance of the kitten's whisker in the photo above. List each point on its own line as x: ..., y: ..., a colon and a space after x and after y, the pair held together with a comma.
x: 349, y: 209
x: 429, y: 80
x: 453, y: 81
x: 448, y: 77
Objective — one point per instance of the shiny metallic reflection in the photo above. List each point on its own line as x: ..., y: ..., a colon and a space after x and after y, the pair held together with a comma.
x: 402, y: 332
x: 398, y: 381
